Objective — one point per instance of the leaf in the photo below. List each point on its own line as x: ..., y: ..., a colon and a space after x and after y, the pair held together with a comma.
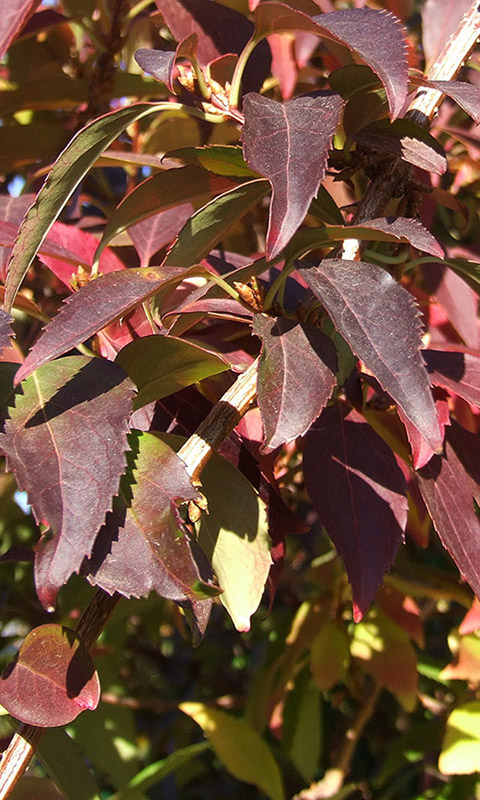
x: 52, y: 679
x: 375, y: 36
x: 160, y: 63
x: 142, y: 547
x: 329, y: 656
x: 239, y: 747
x: 386, y: 653
x: 379, y: 320
x: 162, y: 365
x: 209, y: 224
x: 302, y: 726
x: 456, y: 297
x: 406, y: 140
x: 219, y: 158
x: 288, y: 144
x: 5, y: 329
x: 458, y: 372
x: 65, y: 763
x: 161, y: 191
x: 447, y: 485
x: 150, y: 235
x: 85, y: 312
x: 12, y: 19
x: 440, y: 20
x: 466, y: 95
x: 461, y: 745
x: 359, y: 494
x: 466, y: 663
x: 65, y: 441
x: 154, y: 773
x: 67, y: 172
x: 296, y: 376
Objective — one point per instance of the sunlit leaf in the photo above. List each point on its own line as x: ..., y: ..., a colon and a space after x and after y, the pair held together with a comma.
x: 406, y: 140
x: 461, y: 745
x: 12, y: 19
x: 160, y: 63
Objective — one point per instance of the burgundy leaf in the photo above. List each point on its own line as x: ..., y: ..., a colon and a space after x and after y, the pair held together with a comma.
x: 456, y: 371
x: 448, y: 483
x: 359, y: 494
x: 5, y: 329
x: 296, y: 376
x: 13, y: 17
x: 52, y: 679
x: 51, y: 251
x: 466, y: 95
x: 410, y: 230
x: 12, y: 210
x: 440, y: 19
x: 457, y: 298
x: 380, y: 321
x: 229, y: 34
x: 160, y: 63
x: 421, y: 450
x: 86, y: 312
x: 288, y: 144
x: 66, y: 441
x: 406, y: 140
x: 375, y: 36
x: 154, y: 233
x: 142, y: 547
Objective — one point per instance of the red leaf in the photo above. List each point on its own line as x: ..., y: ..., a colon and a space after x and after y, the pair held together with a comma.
x: 154, y: 233
x: 142, y: 547
x: 160, y: 63
x: 13, y: 17
x: 421, y: 450
x: 456, y: 371
x: 375, y: 36
x: 79, y: 245
x: 447, y: 484
x: 380, y: 321
x: 440, y: 19
x: 457, y: 298
x: 288, y: 144
x: 359, y: 494
x: 471, y: 621
x: 284, y: 66
x: 52, y: 679
x: 466, y: 95
x: 296, y: 376
x: 12, y: 210
x: 66, y: 441
x: 85, y: 312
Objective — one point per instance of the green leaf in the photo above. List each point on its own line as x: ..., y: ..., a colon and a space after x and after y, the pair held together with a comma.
x: 67, y: 172
x: 208, y: 225
x: 163, y: 190
x: 162, y: 365
x: 160, y: 770
x: 302, y: 726
x: 461, y: 745
x: 329, y: 656
x: 240, y: 749
x: 65, y: 763
x: 219, y: 158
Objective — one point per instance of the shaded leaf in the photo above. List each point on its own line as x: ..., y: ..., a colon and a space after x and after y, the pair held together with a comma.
x: 5, y: 329
x: 466, y: 95
x: 150, y: 235
x: 142, y: 546
x: 359, y: 494
x: 288, y: 144
x: 466, y: 663
x: 461, y: 745
x: 302, y: 726
x: 456, y: 371
x: 448, y: 483
x: 154, y: 773
x: 329, y: 656
x: 422, y: 451
x: 209, y: 224
x: 66, y: 441
x: 296, y: 376
x: 64, y: 761
x: 162, y: 365
x: 379, y: 320
x: 406, y: 140
x: 12, y: 211
x: 52, y: 679
x: 239, y: 747
x: 12, y: 19
x: 67, y: 172
x: 458, y: 299
x: 161, y: 191
x: 386, y: 653
x: 471, y: 621
x: 160, y: 63
x: 85, y: 312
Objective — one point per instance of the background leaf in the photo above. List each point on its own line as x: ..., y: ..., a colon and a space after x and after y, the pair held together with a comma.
x: 13, y: 18
x: 66, y: 441
x: 461, y: 745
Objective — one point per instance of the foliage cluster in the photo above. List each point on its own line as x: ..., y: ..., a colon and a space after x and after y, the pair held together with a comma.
x: 240, y: 386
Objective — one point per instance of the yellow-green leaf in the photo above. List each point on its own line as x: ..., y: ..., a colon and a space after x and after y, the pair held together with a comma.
x: 461, y: 745
x: 329, y: 656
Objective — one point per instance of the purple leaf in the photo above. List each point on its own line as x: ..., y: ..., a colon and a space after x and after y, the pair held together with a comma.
x: 375, y: 36
x: 447, y: 484
x: 12, y: 19
x: 229, y: 34
x: 458, y: 372
x: 288, y: 144
x: 5, y: 329
x: 66, y: 441
x: 296, y: 376
x: 466, y: 95
x: 407, y: 230
x: 142, y: 546
x: 85, y: 312
x: 160, y: 63
x: 359, y: 494
x: 12, y: 210
x: 152, y: 234
x: 406, y: 140
x: 380, y: 321
x: 52, y: 679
